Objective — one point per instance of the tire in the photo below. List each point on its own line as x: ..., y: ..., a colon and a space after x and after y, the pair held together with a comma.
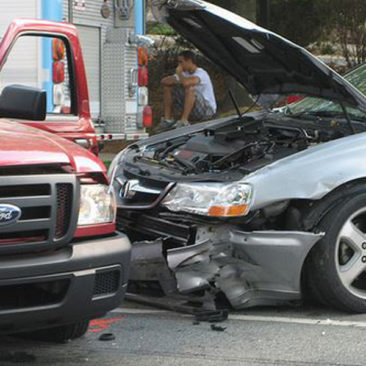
x: 311, y: 294
x: 336, y: 267
x: 60, y: 334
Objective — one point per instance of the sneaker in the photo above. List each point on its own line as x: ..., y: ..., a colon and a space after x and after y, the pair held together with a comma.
x: 167, y: 123
x: 182, y: 123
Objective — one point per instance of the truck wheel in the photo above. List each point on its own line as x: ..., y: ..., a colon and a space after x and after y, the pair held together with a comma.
x: 62, y: 333
x: 337, y: 264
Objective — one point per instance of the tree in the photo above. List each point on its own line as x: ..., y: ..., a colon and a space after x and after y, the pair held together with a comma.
x: 244, y: 8
x: 301, y: 21
x: 348, y: 20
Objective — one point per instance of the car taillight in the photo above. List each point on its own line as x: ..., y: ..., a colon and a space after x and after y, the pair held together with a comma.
x: 147, y: 117
x: 143, y: 78
x: 58, y: 72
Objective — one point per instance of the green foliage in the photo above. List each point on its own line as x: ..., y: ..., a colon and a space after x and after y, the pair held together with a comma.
x: 244, y: 8
x: 301, y: 21
x: 348, y: 20
x: 107, y: 163
x: 309, y: 21
x: 327, y: 49
x: 159, y: 28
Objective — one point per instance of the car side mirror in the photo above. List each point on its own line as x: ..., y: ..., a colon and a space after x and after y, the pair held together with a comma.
x: 23, y: 102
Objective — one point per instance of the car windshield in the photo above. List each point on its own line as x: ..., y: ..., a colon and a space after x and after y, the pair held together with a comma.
x: 312, y: 105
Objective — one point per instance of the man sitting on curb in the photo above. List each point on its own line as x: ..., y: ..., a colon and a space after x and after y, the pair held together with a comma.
x: 190, y: 90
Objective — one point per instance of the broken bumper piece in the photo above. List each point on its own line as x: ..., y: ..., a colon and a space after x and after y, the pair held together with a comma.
x: 249, y: 268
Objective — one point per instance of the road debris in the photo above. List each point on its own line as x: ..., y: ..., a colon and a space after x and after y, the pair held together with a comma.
x: 217, y: 328
x: 107, y: 337
x: 211, y: 316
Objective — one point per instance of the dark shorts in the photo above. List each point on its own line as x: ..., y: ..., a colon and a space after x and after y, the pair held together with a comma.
x: 201, y: 110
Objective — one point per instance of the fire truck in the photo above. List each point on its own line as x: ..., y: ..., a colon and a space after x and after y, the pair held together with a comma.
x: 115, y: 54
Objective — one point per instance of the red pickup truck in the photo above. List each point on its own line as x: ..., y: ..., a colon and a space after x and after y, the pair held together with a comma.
x: 62, y: 262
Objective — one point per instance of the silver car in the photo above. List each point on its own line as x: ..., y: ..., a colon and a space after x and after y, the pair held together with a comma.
x: 260, y: 208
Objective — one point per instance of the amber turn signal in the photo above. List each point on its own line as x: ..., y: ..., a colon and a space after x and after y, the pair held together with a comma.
x: 228, y: 210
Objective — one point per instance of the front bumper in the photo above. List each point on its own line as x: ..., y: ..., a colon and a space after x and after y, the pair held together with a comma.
x: 78, y: 282
x: 250, y: 268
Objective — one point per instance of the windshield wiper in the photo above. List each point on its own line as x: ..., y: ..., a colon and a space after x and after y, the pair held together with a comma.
x: 345, y: 115
x: 331, y: 114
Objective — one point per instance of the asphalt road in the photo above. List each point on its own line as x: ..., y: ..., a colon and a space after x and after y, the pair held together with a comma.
x: 147, y: 336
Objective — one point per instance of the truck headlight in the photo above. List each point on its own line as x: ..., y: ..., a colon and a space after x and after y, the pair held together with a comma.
x: 97, y: 205
x: 210, y: 199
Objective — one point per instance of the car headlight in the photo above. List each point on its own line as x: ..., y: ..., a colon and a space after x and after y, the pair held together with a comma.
x: 210, y: 199
x: 97, y: 205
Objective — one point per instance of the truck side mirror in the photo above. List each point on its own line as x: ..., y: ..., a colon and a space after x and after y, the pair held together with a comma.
x: 23, y: 102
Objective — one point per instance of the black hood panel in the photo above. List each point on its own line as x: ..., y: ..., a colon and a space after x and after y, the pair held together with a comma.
x: 262, y: 61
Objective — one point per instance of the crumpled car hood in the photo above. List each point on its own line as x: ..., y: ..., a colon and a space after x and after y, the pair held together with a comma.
x: 262, y: 61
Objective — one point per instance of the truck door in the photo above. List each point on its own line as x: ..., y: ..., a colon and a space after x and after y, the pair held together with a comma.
x: 45, y: 43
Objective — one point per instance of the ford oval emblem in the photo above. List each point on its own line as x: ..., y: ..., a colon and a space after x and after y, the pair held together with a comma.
x: 9, y: 214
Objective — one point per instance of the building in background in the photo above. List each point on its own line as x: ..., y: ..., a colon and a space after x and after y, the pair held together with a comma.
x: 116, y: 64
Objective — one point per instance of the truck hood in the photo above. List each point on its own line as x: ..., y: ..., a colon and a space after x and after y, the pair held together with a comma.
x: 22, y: 145
x: 262, y: 61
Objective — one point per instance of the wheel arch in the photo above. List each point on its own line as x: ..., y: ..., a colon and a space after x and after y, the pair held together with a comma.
x: 313, y: 216
x: 317, y: 210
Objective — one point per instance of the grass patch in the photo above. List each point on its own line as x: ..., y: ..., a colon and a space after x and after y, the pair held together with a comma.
x: 107, y: 163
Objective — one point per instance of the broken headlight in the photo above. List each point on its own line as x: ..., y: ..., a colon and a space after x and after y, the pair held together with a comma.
x: 210, y: 199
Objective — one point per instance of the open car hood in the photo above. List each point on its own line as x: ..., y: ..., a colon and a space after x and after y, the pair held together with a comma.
x: 262, y: 61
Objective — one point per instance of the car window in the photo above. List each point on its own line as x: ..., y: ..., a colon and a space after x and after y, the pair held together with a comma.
x: 356, y: 77
x: 41, y: 62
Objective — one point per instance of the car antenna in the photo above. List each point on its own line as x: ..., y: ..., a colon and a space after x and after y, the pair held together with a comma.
x: 235, y: 103
x: 344, y: 109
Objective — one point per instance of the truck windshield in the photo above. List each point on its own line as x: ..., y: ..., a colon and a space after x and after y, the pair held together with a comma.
x: 319, y: 106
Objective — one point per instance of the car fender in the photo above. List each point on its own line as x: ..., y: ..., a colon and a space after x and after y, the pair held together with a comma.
x: 310, y: 174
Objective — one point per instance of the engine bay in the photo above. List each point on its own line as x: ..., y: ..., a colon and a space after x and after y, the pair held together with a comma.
x: 244, y: 144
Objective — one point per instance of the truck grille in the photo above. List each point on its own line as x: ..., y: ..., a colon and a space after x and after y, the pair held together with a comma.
x: 49, y: 215
x: 64, y: 207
